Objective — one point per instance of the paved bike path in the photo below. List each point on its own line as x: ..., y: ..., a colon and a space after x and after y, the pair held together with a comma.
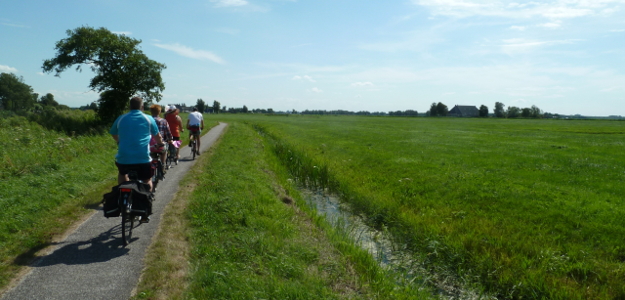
x: 91, y: 263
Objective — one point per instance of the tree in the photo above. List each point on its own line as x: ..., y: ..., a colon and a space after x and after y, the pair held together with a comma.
x: 513, y: 112
x: 525, y: 112
x: 48, y: 100
x: 441, y: 109
x: 536, y: 112
x: 483, y: 111
x: 245, y: 110
x: 499, y: 112
x: 201, y: 105
x: 15, y: 94
x: 433, y: 111
x: 216, y: 107
x: 119, y: 66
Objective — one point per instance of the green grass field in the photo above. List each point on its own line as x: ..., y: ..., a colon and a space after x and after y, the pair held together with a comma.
x: 518, y: 208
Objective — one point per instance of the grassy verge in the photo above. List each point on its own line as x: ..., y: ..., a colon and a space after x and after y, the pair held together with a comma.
x: 251, y: 236
x: 520, y: 208
x: 48, y: 181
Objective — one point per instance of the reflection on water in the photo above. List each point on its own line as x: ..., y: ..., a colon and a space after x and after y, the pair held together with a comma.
x: 398, y: 259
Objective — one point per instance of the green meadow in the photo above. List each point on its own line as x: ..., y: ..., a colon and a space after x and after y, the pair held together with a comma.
x: 516, y: 209
x: 513, y: 208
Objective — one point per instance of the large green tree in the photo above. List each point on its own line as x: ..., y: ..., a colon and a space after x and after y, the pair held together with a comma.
x: 499, y: 111
x: 15, y: 94
x: 433, y: 110
x: 201, y: 105
x: 441, y: 109
x: 121, y: 69
x: 216, y: 106
x: 484, y: 111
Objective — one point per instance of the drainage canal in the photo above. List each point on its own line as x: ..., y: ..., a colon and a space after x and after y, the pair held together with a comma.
x: 402, y: 263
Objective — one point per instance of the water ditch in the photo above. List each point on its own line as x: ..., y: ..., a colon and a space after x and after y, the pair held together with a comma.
x: 408, y: 270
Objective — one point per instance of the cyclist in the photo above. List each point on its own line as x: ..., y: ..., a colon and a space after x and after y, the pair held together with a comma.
x: 163, y: 127
x: 132, y: 132
x: 175, y: 125
x: 195, y: 124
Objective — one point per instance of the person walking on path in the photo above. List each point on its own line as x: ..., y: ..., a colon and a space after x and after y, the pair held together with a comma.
x: 133, y: 132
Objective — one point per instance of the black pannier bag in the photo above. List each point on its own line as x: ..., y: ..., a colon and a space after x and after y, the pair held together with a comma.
x: 141, y: 199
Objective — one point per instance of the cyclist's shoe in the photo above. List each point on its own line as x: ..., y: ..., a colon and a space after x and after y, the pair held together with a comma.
x: 144, y: 220
x: 197, y: 153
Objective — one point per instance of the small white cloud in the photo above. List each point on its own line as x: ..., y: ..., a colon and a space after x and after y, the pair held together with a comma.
x: 519, y: 28
x: 192, y: 53
x: 41, y: 73
x: 362, y: 84
x: 229, y: 3
x: 122, y: 32
x: 315, y: 90
x: 617, y: 30
x: 7, y: 69
x: 305, y: 77
x: 449, y: 93
x: 14, y: 25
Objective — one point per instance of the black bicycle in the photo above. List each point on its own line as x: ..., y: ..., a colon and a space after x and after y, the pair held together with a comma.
x: 134, y: 204
x: 159, y: 173
x: 193, y: 145
x: 172, y: 154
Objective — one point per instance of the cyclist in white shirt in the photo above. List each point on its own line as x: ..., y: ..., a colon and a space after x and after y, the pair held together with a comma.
x: 195, y: 124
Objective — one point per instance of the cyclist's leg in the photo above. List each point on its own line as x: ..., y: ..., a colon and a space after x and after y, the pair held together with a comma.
x: 177, y: 138
x: 122, y: 173
x: 198, y: 138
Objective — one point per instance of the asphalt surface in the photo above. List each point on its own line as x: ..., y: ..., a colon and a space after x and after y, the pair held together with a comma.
x: 91, y: 262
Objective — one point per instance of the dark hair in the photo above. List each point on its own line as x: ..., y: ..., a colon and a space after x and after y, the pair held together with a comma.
x: 195, y: 109
x: 136, y: 102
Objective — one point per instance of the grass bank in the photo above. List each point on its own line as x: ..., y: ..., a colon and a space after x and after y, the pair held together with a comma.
x: 252, y: 237
x: 517, y: 208
x: 48, y: 181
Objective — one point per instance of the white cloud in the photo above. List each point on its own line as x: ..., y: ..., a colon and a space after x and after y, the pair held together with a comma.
x: 518, y: 45
x: 558, y: 9
x: 519, y: 28
x: 617, y: 30
x: 362, y: 84
x: 192, y: 53
x: 14, y: 25
x: 305, y: 77
x: 7, y: 69
x: 230, y: 31
x: 229, y: 3
x: 315, y: 90
x: 122, y: 32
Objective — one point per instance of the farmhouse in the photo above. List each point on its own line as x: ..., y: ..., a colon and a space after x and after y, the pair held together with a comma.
x: 464, y: 111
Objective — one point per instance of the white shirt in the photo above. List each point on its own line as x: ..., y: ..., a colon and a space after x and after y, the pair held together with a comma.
x: 195, y: 119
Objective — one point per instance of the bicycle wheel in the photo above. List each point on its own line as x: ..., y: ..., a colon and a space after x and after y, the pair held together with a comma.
x: 193, y: 150
x: 127, y: 224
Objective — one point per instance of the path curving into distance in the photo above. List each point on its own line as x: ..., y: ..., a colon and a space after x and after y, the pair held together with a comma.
x: 91, y: 262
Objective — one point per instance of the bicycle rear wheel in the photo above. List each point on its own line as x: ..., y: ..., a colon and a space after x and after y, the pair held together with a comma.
x: 193, y: 149
x: 127, y: 224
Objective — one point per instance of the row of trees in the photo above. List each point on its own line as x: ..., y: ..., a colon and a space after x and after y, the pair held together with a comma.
x: 515, y: 112
x: 15, y: 95
x: 440, y: 109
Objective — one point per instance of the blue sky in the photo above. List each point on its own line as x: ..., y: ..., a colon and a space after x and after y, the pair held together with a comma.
x: 564, y: 56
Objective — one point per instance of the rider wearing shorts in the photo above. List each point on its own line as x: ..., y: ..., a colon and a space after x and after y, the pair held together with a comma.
x: 132, y: 132
x: 195, y: 124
